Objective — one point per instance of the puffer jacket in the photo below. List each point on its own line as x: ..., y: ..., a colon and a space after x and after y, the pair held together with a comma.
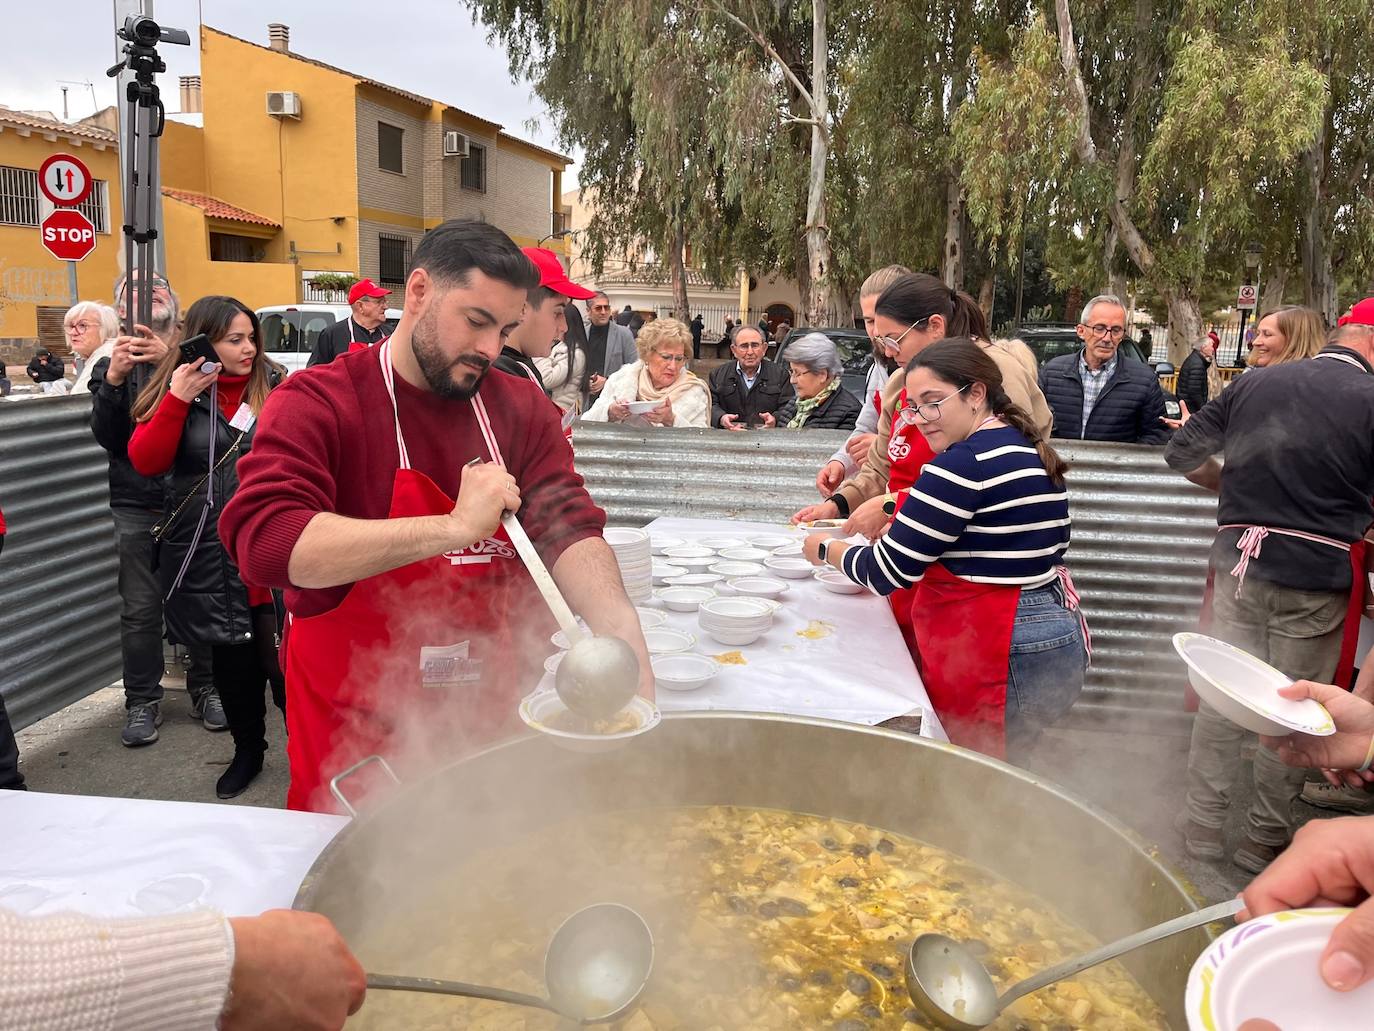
x: 1192, y: 381
x: 211, y: 604
x: 1127, y: 411
x: 837, y: 412
x: 112, y: 427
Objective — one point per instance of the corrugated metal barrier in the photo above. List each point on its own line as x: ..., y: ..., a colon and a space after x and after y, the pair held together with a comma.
x: 59, y: 602
x: 1139, y: 555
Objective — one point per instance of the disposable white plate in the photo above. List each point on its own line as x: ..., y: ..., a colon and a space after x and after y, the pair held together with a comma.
x: 839, y: 583
x: 684, y: 671
x: 1245, y: 690
x: 745, y: 554
x: 650, y: 618
x: 684, y: 599
x: 694, y: 580
x: 758, y: 586
x: 730, y: 570
x: 551, y: 663
x: 662, y: 571
x: 538, y: 708
x: 661, y: 544
x: 791, y: 568
x: 695, y: 565
x: 560, y: 639
x: 642, y: 407
x: 770, y: 541
x: 689, y: 551
x: 662, y: 641
x: 738, y: 608
x: 625, y: 537
x: 718, y: 543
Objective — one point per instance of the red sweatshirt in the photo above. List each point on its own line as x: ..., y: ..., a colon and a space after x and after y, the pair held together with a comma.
x: 325, y: 443
x: 153, y: 446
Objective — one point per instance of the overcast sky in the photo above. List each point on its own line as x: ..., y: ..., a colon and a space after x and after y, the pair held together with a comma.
x: 430, y: 47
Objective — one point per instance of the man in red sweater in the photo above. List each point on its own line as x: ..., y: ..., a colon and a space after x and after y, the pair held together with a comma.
x: 402, y: 630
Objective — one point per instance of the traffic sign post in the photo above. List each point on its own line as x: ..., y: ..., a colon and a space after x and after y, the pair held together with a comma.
x: 1245, y: 297
x: 64, y: 180
x: 67, y: 234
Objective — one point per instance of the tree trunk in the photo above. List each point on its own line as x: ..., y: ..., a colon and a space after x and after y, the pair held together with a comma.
x: 987, y: 291
x: 1318, y: 286
x: 1275, y: 283
x: 817, y: 231
x: 1185, y: 322
x: 677, y: 271
x: 1112, y: 276
x: 952, y: 260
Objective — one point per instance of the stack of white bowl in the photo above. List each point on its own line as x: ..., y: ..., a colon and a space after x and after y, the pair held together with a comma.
x: 632, y: 551
x: 735, y: 620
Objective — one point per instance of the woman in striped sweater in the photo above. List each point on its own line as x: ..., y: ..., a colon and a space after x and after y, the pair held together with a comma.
x: 981, y: 536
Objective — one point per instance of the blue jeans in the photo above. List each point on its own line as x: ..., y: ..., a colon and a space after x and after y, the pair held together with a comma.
x: 1045, y: 673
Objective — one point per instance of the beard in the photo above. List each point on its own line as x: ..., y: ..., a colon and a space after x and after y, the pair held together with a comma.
x: 437, y: 368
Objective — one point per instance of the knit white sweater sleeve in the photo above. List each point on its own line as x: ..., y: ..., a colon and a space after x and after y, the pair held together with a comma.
x: 77, y: 973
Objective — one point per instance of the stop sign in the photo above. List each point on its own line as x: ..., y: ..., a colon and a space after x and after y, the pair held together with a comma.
x: 68, y: 234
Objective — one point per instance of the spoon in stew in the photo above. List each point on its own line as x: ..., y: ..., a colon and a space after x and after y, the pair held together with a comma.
x: 595, y: 969
x: 954, y: 991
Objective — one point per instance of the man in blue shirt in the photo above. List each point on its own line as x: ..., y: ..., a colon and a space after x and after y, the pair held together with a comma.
x: 751, y: 389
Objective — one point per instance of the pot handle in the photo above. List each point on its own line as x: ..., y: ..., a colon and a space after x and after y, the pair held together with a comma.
x: 336, y: 782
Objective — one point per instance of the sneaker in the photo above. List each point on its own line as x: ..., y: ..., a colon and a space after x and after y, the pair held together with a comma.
x: 242, y: 770
x: 140, y: 724
x: 1254, y: 856
x: 1343, y: 800
x: 209, y: 708
x: 1198, y: 841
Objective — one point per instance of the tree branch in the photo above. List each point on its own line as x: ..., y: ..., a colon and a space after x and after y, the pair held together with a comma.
x: 759, y: 38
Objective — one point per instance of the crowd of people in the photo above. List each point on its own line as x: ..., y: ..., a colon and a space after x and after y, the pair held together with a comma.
x: 261, y: 520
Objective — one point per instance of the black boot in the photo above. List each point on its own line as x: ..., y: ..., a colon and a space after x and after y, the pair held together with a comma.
x: 243, y: 769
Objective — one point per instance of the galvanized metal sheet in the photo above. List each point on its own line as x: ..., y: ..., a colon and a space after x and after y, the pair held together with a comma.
x: 59, y: 600
x: 1141, y: 535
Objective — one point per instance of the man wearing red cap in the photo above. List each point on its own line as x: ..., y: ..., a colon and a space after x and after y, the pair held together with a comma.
x: 543, y: 323
x: 1360, y: 314
x: 365, y: 327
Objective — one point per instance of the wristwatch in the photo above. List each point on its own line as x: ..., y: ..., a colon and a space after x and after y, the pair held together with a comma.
x: 821, y: 550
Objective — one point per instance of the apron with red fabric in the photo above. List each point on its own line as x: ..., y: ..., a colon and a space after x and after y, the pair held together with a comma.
x: 964, y: 632
x: 354, y: 344
x: 415, y: 660
x: 907, y: 453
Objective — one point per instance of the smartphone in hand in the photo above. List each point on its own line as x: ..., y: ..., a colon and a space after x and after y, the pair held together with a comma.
x: 197, y: 350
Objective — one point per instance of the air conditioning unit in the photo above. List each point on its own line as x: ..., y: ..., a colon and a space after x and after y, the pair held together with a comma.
x: 284, y: 104
x: 455, y: 144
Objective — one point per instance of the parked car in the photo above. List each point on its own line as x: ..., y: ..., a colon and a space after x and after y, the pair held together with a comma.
x: 856, y: 353
x: 1051, y: 339
x: 289, y: 331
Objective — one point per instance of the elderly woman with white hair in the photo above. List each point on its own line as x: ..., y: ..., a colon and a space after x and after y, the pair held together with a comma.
x: 91, y: 329
x: 822, y: 403
x: 657, y: 390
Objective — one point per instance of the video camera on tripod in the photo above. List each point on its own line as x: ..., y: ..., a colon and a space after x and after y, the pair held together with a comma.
x: 143, y: 122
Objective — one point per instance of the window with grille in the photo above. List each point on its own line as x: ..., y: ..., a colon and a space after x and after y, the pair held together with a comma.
x: 228, y: 247
x: 22, y: 205
x: 473, y: 171
x: 394, y: 258
x: 389, y: 147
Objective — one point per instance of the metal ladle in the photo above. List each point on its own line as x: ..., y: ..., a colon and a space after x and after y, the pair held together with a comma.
x: 595, y: 969
x: 599, y: 675
x: 954, y: 991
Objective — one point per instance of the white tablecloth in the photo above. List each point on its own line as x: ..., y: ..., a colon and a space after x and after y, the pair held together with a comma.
x: 137, y: 857
x: 854, y: 666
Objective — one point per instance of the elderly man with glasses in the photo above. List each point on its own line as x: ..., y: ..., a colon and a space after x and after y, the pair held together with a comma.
x: 610, y: 346
x: 1098, y: 393
x: 749, y: 391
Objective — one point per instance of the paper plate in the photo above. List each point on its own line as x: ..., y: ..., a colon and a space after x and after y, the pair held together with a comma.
x: 642, y: 407
x: 1245, y: 690
x: 543, y: 706
x: 1266, y: 969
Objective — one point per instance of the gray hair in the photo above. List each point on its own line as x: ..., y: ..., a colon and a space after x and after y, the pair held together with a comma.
x: 104, y: 314
x: 1111, y: 299
x: 734, y: 334
x: 817, y: 352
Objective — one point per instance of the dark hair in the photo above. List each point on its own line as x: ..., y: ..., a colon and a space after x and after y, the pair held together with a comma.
x: 540, y: 294
x: 961, y: 362
x: 913, y: 298
x: 576, y: 339
x: 454, y: 248
x: 601, y: 295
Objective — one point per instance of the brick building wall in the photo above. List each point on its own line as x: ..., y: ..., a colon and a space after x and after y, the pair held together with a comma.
x: 523, y: 193
x: 380, y: 189
x: 370, y: 233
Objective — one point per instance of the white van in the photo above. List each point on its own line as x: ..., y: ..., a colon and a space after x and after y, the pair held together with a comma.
x: 289, y: 331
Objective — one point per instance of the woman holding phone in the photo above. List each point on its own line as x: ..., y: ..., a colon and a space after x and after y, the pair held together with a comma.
x: 193, y: 421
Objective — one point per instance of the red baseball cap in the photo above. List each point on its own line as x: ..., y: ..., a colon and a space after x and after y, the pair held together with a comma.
x: 1212, y: 336
x: 1361, y: 314
x: 551, y: 274
x: 365, y: 288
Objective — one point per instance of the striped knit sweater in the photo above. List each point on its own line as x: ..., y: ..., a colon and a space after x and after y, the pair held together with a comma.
x: 985, y: 509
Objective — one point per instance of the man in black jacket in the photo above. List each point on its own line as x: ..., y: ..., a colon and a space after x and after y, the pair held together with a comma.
x: 751, y: 389
x: 136, y: 503
x: 1192, y: 374
x: 366, y: 326
x: 1098, y: 394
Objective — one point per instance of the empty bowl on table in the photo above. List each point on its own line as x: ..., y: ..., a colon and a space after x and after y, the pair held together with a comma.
x: 833, y: 580
x: 745, y: 554
x: 792, y: 549
x: 695, y: 580
x: 718, y: 543
x: 758, y: 586
x: 688, y: 551
x: 650, y: 618
x: 1246, y: 690
x: 684, y: 671
x: 730, y: 570
x: 770, y: 541
x: 663, y: 570
x: 695, y: 564
x: 790, y: 567
x: 663, y: 641
x: 659, y: 544
x: 684, y: 599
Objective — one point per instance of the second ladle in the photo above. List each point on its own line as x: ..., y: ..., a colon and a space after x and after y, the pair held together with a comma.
x: 595, y: 969
x: 954, y: 991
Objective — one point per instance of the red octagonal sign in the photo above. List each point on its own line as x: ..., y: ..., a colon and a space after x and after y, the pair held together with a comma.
x: 68, y: 234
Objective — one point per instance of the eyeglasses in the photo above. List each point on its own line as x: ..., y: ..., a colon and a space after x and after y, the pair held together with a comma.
x: 1108, y: 331
x: 601, y: 307
x: 671, y: 359
x: 930, y: 410
x: 80, y: 327
x: 894, y: 345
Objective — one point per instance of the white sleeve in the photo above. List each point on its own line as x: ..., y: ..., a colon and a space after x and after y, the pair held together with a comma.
x: 623, y: 385
x: 693, y: 409
x: 69, y: 973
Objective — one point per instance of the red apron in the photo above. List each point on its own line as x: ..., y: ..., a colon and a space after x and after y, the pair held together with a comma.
x: 963, y: 631
x: 907, y: 453
x: 354, y: 344
x: 354, y: 674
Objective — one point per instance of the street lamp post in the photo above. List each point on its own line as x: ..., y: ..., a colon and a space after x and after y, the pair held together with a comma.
x: 1252, y: 260
x: 556, y: 236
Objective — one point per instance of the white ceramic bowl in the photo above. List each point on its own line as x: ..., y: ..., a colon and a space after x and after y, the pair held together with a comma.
x: 758, y: 586
x: 730, y: 570
x: 839, y: 583
x: 650, y: 618
x: 695, y: 580
x: 658, y: 545
x: 684, y: 671
x: 663, y: 641
x: 663, y: 570
x: 745, y: 554
x: 684, y: 599
x: 770, y: 541
x: 537, y: 709
x: 1245, y: 690
x: 792, y: 568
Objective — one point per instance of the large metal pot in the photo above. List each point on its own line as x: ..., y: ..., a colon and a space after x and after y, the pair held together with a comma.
x: 1093, y: 869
